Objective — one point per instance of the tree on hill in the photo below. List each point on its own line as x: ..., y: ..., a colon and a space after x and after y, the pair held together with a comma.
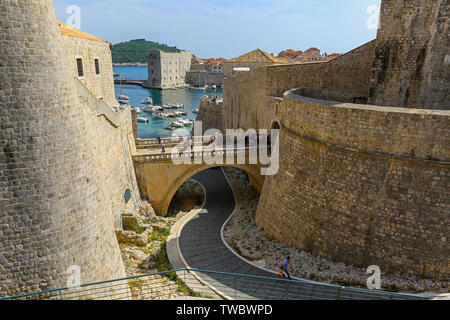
x: 137, y: 50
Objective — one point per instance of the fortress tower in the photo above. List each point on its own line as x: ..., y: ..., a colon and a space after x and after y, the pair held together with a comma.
x: 412, y: 64
x: 53, y: 210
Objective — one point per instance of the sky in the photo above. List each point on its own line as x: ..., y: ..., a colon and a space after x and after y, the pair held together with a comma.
x: 229, y: 28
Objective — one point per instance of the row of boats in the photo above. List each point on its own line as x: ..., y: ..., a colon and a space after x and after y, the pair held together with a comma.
x: 158, y: 112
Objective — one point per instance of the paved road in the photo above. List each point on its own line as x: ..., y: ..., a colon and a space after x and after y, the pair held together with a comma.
x: 202, y: 248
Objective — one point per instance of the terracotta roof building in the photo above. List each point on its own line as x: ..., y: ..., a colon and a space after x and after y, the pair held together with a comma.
x: 72, y: 32
x: 251, y: 60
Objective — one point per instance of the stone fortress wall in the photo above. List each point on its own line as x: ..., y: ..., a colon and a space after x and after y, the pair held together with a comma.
x: 248, y: 96
x: 210, y: 113
x: 362, y: 184
x: 203, y: 78
x: 64, y: 160
x: 167, y: 69
x: 412, y: 64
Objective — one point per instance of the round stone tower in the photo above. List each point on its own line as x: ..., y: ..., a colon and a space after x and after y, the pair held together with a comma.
x: 53, y: 213
x: 412, y: 63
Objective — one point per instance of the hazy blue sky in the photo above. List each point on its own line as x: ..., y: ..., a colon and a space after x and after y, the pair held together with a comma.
x: 228, y: 28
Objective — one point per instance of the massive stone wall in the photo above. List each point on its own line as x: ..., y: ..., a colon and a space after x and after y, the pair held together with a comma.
x: 64, y: 160
x: 202, y: 78
x: 109, y: 135
x: 412, y: 65
x: 228, y: 67
x: 101, y: 85
x: 210, y: 115
x: 362, y: 184
x: 244, y: 101
x: 111, y: 145
x: 348, y: 74
x: 247, y: 102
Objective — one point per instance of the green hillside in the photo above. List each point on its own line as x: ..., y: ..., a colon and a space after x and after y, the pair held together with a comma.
x: 137, y: 50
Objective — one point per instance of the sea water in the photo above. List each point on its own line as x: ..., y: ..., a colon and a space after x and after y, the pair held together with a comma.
x: 190, y: 98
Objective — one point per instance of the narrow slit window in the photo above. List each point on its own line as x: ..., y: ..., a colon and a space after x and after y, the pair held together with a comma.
x: 97, y: 66
x: 80, y: 67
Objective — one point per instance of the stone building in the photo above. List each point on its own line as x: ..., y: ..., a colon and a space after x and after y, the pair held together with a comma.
x: 364, y: 169
x: 90, y: 62
x: 65, y: 162
x: 206, y: 73
x: 310, y: 55
x: 167, y: 69
x: 249, y: 61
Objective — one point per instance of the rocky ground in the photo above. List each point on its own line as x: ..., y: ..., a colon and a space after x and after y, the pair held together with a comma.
x: 246, y: 238
x: 143, y: 245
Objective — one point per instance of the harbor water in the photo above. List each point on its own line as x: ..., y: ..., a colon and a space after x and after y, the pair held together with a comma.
x: 190, y: 98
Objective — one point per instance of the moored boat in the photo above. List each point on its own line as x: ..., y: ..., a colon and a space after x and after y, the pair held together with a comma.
x: 142, y: 119
x: 159, y: 116
x: 177, y: 124
x: 148, y: 100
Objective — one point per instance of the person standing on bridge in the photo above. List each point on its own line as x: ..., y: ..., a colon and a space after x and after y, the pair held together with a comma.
x: 163, y: 149
x: 159, y: 139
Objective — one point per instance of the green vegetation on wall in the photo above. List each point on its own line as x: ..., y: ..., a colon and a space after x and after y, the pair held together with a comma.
x: 137, y: 50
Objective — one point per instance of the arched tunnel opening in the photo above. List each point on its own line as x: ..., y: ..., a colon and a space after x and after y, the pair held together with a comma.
x: 191, y: 194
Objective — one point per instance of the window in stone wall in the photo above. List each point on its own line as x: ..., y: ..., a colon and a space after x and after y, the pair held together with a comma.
x: 97, y: 66
x: 127, y: 195
x: 80, y: 67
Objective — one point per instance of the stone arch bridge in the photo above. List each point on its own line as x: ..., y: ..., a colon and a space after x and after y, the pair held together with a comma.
x: 160, y: 175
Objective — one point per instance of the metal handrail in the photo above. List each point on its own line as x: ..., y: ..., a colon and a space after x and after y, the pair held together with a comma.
x: 261, y: 286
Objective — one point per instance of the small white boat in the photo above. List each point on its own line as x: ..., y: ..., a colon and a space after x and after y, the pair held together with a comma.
x: 177, y: 124
x: 148, y: 100
x: 184, y: 122
x: 123, y: 97
x: 147, y: 109
x: 138, y: 110
x: 198, y: 88
x: 123, y: 101
x: 142, y: 119
x: 159, y: 116
x: 195, y: 110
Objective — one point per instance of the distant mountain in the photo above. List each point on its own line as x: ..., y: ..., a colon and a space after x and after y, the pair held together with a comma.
x: 135, y: 51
